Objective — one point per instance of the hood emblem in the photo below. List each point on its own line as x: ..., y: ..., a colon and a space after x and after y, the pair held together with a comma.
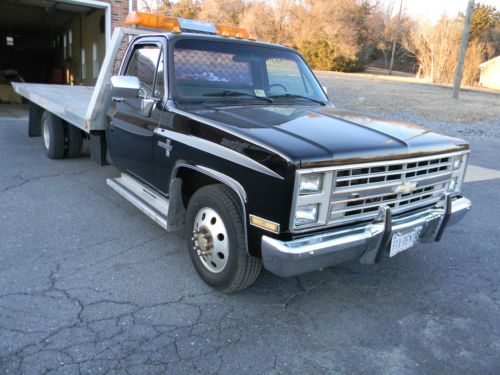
x: 404, y: 188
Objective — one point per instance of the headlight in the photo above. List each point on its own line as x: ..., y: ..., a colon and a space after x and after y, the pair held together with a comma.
x: 453, y: 185
x: 457, y: 162
x: 310, y: 183
x: 306, y: 214
x: 312, y: 194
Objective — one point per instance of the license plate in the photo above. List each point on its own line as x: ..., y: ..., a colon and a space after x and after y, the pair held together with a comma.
x: 404, y: 240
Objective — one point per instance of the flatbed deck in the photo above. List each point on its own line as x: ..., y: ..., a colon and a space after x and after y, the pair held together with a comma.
x: 82, y: 106
x: 67, y: 102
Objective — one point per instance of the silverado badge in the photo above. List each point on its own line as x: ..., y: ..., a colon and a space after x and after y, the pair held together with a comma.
x: 167, y: 146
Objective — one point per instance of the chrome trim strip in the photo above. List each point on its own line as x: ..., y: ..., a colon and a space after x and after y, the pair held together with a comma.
x: 387, y: 162
x: 219, y: 126
x: 217, y: 150
x: 226, y: 180
x: 137, y: 202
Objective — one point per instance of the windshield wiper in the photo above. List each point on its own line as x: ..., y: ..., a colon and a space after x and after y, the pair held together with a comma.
x: 288, y: 95
x: 237, y: 93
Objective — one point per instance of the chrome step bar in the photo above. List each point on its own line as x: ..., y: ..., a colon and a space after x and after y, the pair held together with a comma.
x: 143, y: 197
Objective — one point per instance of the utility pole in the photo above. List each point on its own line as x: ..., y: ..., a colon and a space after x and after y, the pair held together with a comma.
x: 394, y: 38
x: 463, y: 48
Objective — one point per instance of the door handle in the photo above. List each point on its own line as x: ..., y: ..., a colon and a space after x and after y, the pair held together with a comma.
x: 117, y: 99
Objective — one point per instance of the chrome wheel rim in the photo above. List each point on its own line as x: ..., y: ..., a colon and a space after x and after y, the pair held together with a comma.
x: 210, y: 239
x: 46, y: 134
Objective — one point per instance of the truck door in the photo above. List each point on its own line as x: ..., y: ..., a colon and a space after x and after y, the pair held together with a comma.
x: 131, y: 130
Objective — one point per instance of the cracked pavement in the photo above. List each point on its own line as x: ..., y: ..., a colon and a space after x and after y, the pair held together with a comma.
x: 88, y: 284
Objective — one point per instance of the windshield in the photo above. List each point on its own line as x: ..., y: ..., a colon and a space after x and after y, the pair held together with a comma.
x: 222, y: 71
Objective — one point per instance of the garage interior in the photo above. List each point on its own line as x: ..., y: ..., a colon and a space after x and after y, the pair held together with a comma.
x: 50, y: 41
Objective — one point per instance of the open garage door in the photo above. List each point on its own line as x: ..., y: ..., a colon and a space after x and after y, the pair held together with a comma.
x: 51, y: 41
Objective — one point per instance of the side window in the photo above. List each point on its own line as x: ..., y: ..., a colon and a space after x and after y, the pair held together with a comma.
x: 143, y: 64
x: 285, y: 74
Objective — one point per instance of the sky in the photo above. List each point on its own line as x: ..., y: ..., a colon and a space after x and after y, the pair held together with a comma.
x: 433, y: 9
x: 430, y: 9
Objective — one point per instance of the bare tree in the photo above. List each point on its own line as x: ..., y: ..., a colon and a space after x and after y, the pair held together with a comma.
x: 269, y: 21
x: 154, y: 6
x: 222, y: 11
x: 436, y: 49
x: 186, y: 9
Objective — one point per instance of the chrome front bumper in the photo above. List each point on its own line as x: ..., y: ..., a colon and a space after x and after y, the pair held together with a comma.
x: 367, y: 242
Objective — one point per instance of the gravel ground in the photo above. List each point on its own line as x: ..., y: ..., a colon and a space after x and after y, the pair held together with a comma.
x: 475, y: 116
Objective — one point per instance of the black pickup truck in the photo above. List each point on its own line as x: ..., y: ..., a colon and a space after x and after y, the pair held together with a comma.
x: 235, y: 143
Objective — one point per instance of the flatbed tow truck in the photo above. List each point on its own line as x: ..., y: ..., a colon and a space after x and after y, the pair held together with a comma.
x: 235, y: 143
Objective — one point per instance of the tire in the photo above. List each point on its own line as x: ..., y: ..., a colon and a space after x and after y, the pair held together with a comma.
x: 53, y: 135
x: 220, y: 231
x: 74, y: 141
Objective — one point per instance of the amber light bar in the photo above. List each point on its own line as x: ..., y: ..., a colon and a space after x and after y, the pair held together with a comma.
x: 153, y: 21
x: 232, y: 31
x: 156, y: 21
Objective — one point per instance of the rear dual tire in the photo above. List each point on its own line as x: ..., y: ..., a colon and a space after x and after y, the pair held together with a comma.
x: 74, y: 141
x: 60, y: 140
x: 53, y: 135
x: 216, y: 240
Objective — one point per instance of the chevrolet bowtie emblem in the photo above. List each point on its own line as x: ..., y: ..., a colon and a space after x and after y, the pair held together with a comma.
x: 167, y: 146
x: 404, y: 188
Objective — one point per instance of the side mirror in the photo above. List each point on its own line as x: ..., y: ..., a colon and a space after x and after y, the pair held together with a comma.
x: 125, y: 87
x: 325, y: 89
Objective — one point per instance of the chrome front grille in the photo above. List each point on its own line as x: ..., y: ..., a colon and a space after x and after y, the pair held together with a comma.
x: 352, y: 193
x: 360, y: 190
x: 361, y: 176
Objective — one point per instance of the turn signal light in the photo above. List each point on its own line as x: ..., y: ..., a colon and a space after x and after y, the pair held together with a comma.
x: 264, y: 224
x: 153, y: 21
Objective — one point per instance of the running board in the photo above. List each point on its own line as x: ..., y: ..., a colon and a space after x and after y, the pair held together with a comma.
x: 143, y: 197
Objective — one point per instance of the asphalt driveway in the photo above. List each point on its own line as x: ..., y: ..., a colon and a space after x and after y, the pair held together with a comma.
x: 88, y: 284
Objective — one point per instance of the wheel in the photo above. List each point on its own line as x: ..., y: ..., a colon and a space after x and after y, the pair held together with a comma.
x: 74, y: 141
x: 216, y: 240
x: 53, y: 135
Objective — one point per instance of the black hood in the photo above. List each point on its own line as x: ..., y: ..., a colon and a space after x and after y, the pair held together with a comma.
x: 320, y: 136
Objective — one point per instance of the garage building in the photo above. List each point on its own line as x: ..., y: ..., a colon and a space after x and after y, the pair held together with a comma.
x: 490, y: 73
x: 56, y: 41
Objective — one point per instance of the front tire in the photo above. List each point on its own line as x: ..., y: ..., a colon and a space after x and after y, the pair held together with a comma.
x: 216, y: 240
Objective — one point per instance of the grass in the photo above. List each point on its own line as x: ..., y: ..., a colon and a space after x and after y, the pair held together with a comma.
x: 385, y: 95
